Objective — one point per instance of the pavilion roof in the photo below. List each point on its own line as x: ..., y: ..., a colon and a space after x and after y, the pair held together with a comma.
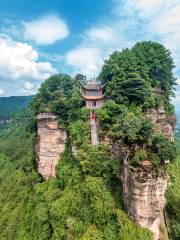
x: 93, y: 85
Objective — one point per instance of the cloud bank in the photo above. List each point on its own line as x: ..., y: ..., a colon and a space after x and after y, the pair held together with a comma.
x: 46, y: 30
x: 19, y: 62
x: 85, y: 60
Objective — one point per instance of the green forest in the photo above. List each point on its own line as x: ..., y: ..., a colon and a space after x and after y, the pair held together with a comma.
x: 10, y: 105
x: 85, y: 201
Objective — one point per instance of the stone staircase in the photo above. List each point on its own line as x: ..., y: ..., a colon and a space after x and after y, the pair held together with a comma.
x: 94, y: 132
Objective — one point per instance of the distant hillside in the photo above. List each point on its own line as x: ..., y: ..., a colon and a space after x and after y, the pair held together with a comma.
x: 10, y: 105
x: 177, y: 133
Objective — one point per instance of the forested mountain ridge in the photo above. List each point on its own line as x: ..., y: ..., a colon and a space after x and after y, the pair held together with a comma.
x: 85, y: 199
x: 10, y: 105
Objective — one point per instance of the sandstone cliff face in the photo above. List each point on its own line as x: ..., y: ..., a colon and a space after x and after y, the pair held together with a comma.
x: 143, y: 191
x: 145, y: 199
x: 50, y: 145
x: 164, y: 124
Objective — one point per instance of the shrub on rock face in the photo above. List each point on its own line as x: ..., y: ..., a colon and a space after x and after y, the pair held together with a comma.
x: 139, y: 156
x: 98, y: 161
x: 80, y: 132
x: 163, y: 149
x: 128, y: 124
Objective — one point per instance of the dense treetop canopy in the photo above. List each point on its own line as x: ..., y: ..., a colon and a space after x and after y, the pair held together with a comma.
x: 141, y: 75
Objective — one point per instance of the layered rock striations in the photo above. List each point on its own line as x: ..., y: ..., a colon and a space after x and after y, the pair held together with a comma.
x: 143, y: 190
x: 50, y: 144
x: 144, y: 198
x: 164, y: 124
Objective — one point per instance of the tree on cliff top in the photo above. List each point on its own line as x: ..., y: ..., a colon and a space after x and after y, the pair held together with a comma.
x: 138, y: 78
x: 159, y: 63
x: 58, y: 94
x: 132, y: 74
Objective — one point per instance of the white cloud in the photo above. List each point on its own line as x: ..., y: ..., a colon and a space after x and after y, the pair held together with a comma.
x: 28, y: 88
x: 19, y: 62
x: 176, y: 101
x: 161, y: 18
x: 98, y: 42
x: 105, y: 34
x: 145, y: 8
x: 46, y: 30
x: 167, y: 26
x: 85, y: 60
x: 2, y: 92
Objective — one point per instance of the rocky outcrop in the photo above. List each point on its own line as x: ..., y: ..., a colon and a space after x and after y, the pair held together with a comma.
x: 163, y: 123
x: 50, y: 144
x: 143, y: 191
x: 145, y: 198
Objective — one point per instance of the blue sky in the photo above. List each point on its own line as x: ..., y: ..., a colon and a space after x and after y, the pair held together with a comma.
x: 43, y: 37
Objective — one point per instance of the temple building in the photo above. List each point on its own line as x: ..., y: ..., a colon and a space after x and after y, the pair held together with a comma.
x: 92, y: 92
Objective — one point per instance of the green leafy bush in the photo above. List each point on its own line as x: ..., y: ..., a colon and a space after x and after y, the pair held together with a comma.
x: 163, y: 149
x: 139, y: 156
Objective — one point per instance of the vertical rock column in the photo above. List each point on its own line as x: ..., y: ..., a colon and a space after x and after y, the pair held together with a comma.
x: 50, y: 145
x: 145, y: 200
x: 144, y: 191
x: 164, y: 124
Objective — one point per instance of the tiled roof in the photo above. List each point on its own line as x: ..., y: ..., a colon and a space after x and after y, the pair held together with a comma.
x: 93, y: 85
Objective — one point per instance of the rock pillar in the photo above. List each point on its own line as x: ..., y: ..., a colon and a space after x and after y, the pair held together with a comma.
x: 50, y: 144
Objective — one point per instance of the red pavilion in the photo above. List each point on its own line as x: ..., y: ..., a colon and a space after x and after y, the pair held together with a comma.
x: 92, y: 92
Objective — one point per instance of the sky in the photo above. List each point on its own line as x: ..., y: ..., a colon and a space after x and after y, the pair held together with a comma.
x: 44, y: 37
